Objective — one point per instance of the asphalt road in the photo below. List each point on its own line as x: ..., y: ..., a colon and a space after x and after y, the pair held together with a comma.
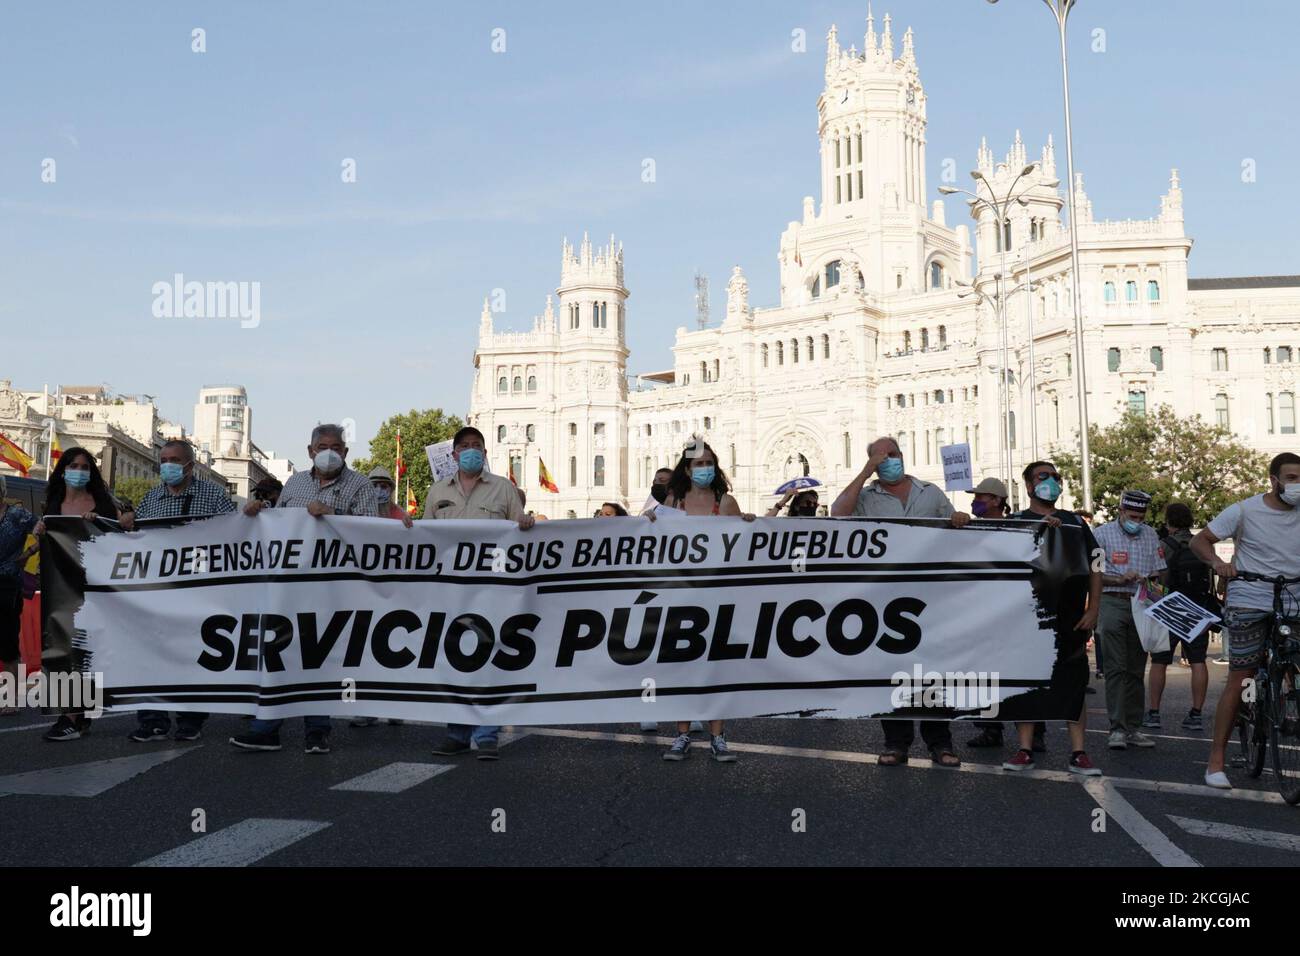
x: 602, y: 795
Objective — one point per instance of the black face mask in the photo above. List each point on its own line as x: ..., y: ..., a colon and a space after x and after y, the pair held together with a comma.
x: 807, y: 511
x: 659, y: 493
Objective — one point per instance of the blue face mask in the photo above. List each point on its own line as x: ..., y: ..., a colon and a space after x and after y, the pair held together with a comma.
x: 890, y: 470
x: 172, y: 473
x: 470, y: 461
x: 1047, y: 490
x: 703, y: 477
x: 1132, y: 527
x: 77, y: 478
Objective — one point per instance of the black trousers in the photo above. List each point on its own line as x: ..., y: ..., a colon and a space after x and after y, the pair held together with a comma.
x: 899, y: 734
x: 1040, y: 726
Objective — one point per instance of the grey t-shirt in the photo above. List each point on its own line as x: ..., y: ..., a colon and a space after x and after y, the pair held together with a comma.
x: 1267, y: 541
x: 924, y: 500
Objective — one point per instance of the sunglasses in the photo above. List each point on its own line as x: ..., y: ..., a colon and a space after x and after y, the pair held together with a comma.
x: 1044, y: 475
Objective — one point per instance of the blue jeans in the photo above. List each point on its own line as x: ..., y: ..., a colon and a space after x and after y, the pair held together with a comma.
x: 161, y: 718
x: 481, y: 735
x: 259, y: 726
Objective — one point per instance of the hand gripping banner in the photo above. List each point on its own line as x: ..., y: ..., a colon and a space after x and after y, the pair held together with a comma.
x: 594, y: 621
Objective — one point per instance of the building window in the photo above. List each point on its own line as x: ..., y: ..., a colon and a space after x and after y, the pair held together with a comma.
x: 826, y: 346
x: 1268, y: 401
x: 573, y: 474
x: 794, y: 351
x: 530, y: 433
x: 1153, y: 290
x: 763, y: 353
x: 717, y: 369
x: 925, y: 339
x: 832, y: 273
x: 907, y: 341
x: 936, y: 275
x: 838, y: 185
x: 1221, y: 410
x: 517, y: 470
x: 1283, y: 354
x: 1137, y: 402
x: 501, y: 433
x: 940, y: 439
x: 837, y: 154
x: 898, y: 280
x: 938, y: 396
x: 809, y: 343
x: 1130, y: 291
x: 927, y: 446
x: 708, y: 422
x: 1158, y: 358
x: 817, y: 287
x: 503, y: 385
x: 649, y: 430
x: 889, y: 403
x: 1268, y: 355
x: 573, y: 429
x: 943, y: 336
x: 1108, y: 293
x: 780, y: 353
x: 1069, y: 364
x: 1286, y: 412
x: 900, y: 400
x: 1220, y: 360
x: 598, y: 471
x: 1112, y: 360
x: 518, y: 384
x: 532, y: 383
x: 598, y: 429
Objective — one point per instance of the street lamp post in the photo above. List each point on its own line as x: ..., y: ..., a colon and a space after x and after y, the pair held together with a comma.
x: 1061, y: 11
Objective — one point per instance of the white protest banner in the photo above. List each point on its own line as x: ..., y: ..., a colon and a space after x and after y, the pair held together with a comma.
x: 1181, y: 615
x: 591, y: 621
x: 441, y: 462
x: 957, y: 473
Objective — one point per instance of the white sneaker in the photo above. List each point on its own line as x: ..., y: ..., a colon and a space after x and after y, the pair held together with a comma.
x: 1218, y: 780
x: 1139, y: 739
x: 1117, y: 740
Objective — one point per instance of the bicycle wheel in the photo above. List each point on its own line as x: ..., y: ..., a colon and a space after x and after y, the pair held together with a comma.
x: 1251, y: 739
x: 1284, y: 732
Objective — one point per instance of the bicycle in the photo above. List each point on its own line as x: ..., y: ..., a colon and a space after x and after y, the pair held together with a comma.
x: 1270, y: 720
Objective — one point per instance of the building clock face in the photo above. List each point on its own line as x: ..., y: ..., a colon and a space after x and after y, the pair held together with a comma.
x: 844, y: 97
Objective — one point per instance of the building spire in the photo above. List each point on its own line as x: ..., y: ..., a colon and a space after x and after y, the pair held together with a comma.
x: 1171, y: 203
x: 1049, y: 158
x: 887, y: 40
x: 832, y: 51
x: 869, y: 42
x: 909, y: 51
x: 485, y: 320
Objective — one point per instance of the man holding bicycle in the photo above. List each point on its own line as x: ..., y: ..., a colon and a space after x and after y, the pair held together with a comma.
x: 1265, y: 531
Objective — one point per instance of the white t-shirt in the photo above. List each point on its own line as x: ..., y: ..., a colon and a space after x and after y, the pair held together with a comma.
x: 1266, y: 541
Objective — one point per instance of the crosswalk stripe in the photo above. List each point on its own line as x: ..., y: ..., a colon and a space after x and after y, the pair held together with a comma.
x: 242, y: 844
x: 394, y: 778
x: 1146, y: 833
x: 1227, y: 831
x: 87, y: 779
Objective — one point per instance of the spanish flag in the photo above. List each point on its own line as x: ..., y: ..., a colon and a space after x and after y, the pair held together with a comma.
x: 56, y: 450
x: 14, y: 457
x: 412, y: 506
x: 544, y: 478
x: 399, y: 466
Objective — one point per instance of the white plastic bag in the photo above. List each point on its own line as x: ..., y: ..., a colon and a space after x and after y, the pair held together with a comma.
x: 1153, y: 635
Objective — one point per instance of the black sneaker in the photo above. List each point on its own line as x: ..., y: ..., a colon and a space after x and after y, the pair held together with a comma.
x: 188, y: 732
x: 264, y: 741
x: 985, y: 738
x: 147, y: 733
x: 451, y: 747
x: 487, y: 751
x: 63, y: 729
x: 681, y: 748
x: 318, y: 742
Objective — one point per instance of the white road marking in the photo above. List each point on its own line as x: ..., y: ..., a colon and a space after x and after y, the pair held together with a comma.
x: 1227, y: 831
x: 87, y: 779
x: 242, y: 844
x: 394, y: 778
x: 49, y: 722
x: 1146, y: 833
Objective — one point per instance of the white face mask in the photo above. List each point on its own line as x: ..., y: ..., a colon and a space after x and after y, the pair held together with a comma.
x: 328, y: 461
x: 1290, y: 494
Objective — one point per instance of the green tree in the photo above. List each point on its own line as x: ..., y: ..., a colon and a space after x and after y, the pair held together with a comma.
x: 132, y: 489
x: 418, y: 428
x: 1172, y: 459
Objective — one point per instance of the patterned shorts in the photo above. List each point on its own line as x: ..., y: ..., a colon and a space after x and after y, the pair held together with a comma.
x: 1246, y: 631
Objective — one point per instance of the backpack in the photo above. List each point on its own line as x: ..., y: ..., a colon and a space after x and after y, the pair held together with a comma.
x: 1189, y: 575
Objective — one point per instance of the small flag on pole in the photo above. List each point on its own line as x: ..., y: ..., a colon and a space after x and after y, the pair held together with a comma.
x: 56, y: 450
x: 544, y: 477
x: 14, y: 456
x: 412, y: 506
x: 399, y: 466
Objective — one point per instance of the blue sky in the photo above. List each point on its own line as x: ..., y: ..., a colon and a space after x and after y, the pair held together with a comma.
x: 472, y: 165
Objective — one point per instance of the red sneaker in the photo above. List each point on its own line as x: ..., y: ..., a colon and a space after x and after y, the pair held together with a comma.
x: 1022, y: 760
x: 1080, y: 764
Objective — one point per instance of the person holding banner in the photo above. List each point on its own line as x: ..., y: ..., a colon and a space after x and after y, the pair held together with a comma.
x: 475, y: 494
x: 329, y: 487
x: 1265, y: 531
x: 699, y: 487
x: 896, y: 494
x: 76, y: 488
x: 1190, y: 576
x: 16, y: 522
x: 181, y: 494
x: 1132, y: 550
x: 803, y: 504
x: 1078, y: 607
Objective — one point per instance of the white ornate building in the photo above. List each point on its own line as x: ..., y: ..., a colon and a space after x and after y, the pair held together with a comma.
x: 872, y: 337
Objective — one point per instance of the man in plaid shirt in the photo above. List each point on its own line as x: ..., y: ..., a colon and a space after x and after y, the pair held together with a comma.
x: 1132, y: 555
x: 181, y: 495
x: 329, y: 487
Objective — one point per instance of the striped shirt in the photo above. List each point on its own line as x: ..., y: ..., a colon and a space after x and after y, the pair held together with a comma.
x: 348, y: 493
x: 201, y: 499
x: 924, y: 500
x: 1129, y: 552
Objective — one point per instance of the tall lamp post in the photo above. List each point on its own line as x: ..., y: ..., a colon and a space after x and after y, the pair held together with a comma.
x: 1061, y: 11
x: 999, y: 209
